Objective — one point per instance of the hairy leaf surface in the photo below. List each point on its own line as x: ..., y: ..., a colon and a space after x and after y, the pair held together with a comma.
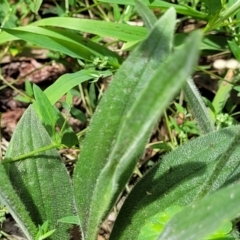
x: 41, y: 181
x: 176, y: 180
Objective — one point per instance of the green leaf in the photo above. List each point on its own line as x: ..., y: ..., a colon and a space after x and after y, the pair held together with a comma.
x: 62, y: 40
x: 35, y: 6
x: 47, y: 113
x: 68, y: 81
x: 107, y: 120
x: 182, y: 9
x: 156, y: 224
x: 70, y: 220
x: 203, y: 217
x: 147, y: 15
x: 213, y: 6
x: 11, y: 200
x: 119, y: 31
x: 235, y: 49
x: 198, y: 108
x: 124, y: 120
x: 41, y: 180
x: 176, y: 180
x: 192, y: 94
x: 50, y: 117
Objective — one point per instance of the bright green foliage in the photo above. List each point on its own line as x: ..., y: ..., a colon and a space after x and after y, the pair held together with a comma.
x: 44, y: 232
x: 194, y: 222
x: 68, y: 81
x: 155, y: 225
x: 64, y: 41
x: 118, y: 30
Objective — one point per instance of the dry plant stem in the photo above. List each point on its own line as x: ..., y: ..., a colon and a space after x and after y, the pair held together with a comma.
x: 222, y: 161
x: 89, y: 10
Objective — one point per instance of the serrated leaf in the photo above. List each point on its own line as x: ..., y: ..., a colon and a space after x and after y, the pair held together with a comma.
x: 41, y: 180
x: 176, y: 180
x: 11, y: 200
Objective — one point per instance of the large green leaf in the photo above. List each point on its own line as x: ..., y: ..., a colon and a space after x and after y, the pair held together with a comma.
x: 41, y: 180
x: 124, y: 120
x: 190, y: 90
x: 107, y: 119
x: 203, y: 217
x: 11, y: 200
x: 61, y: 40
x: 177, y: 178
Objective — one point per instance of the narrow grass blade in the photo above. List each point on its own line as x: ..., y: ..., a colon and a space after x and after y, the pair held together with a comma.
x: 41, y: 180
x: 68, y: 81
x: 182, y: 9
x: 176, y: 180
x: 198, y: 108
x: 11, y: 200
x: 203, y: 217
x: 64, y: 41
x: 119, y: 31
x: 147, y: 15
x: 222, y: 95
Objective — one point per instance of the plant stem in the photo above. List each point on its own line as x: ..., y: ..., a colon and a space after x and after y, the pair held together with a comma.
x: 29, y: 154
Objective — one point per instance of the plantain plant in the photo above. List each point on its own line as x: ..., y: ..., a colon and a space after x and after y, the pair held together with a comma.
x: 194, y: 185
